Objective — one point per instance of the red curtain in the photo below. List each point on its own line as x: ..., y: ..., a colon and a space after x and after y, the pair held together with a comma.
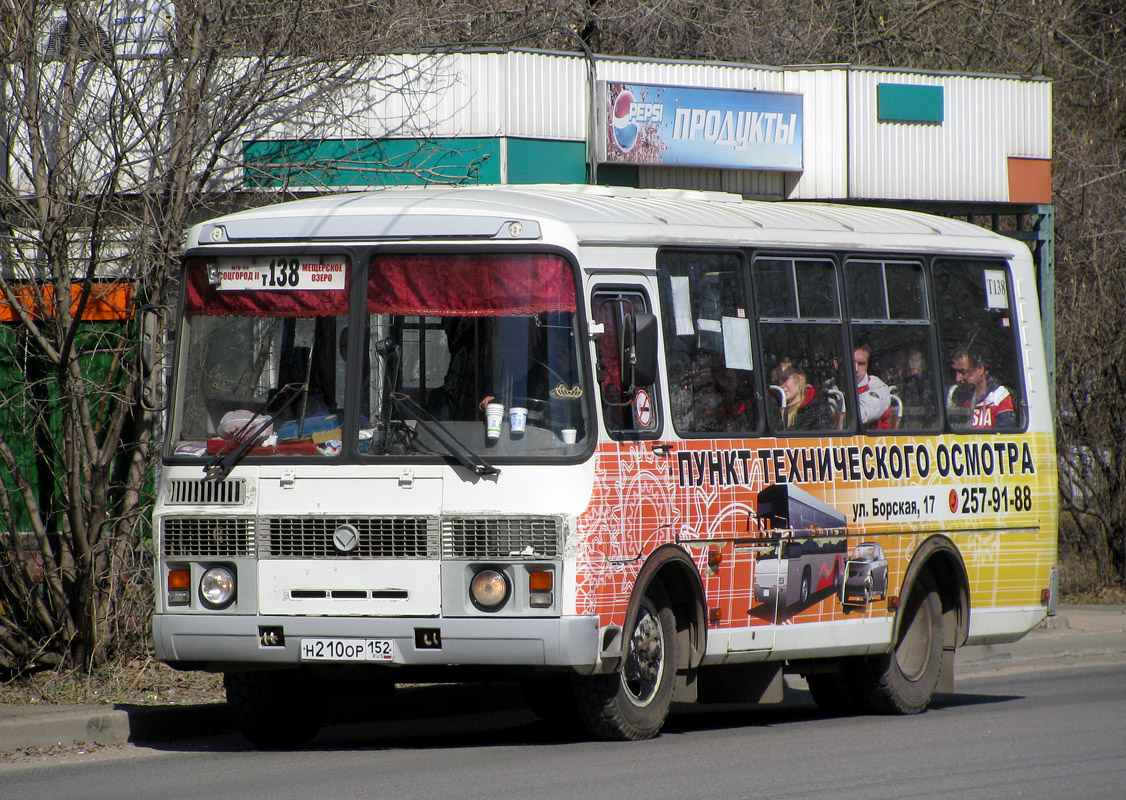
x: 202, y: 298
x: 450, y: 284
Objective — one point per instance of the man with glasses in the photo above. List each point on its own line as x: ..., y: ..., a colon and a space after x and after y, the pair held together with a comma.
x: 990, y: 404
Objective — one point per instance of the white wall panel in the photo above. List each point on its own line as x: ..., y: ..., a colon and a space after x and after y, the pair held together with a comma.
x: 824, y: 133
x: 965, y: 158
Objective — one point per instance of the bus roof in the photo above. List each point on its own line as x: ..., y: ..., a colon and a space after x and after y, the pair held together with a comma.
x: 591, y: 215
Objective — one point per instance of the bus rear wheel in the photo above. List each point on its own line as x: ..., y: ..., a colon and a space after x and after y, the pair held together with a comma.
x: 274, y: 709
x: 903, y: 681
x: 633, y: 704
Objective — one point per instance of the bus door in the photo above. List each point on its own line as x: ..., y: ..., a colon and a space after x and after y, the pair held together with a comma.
x: 634, y: 462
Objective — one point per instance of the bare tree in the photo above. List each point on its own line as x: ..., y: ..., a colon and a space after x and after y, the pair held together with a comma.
x: 111, y: 149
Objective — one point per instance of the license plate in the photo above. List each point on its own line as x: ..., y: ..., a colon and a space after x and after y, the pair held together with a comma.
x: 347, y: 649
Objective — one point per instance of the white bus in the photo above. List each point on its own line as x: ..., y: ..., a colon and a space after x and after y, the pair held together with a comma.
x: 523, y: 433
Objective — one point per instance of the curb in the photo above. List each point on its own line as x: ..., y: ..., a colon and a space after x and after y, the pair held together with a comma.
x: 76, y: 725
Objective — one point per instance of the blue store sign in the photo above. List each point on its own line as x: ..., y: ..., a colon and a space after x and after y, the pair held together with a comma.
x: 674, y: 125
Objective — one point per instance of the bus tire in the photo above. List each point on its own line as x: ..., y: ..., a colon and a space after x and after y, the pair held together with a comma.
x: 273, y: 709
x: 634, y: 703
x: 903, y: 681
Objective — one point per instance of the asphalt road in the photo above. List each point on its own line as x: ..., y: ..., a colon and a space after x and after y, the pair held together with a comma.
x: 1046, y: 733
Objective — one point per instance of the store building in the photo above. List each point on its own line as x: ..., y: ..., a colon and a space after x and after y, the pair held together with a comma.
x: 973, y: 146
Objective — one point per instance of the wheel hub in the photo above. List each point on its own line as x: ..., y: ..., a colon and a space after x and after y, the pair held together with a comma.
x: 645, y: 662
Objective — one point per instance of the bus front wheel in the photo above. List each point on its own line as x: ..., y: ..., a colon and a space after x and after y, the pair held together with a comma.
x: 633, y: 704
x: 903, y: 681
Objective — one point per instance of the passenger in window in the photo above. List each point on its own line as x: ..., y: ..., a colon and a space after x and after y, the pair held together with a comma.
x: 710, y: 400
x: 874, y: 395
x: 696, y: 398
x: 913, y: 386
x: 736, y: 406
x: 979, y: 395
x: 777, y: 374
x: 806, y: 408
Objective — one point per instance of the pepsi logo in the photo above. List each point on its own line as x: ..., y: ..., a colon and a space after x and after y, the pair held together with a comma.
x: 625, y: 129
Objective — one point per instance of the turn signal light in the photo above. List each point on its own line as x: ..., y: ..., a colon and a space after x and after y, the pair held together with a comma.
x: 540, y: 585
x: 179, y: 586
x: 540, y: 581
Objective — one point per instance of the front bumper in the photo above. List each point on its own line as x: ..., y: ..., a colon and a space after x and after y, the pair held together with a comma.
x: 221, y: 640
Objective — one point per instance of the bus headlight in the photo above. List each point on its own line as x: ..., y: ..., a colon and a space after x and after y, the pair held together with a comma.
x: 489, y: 589
x: 217, y: 587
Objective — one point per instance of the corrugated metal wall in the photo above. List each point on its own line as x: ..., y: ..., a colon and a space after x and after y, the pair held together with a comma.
x: 965, y: 157
x: 824, y: 133
x: 848, y: 153
x: 541, y: 95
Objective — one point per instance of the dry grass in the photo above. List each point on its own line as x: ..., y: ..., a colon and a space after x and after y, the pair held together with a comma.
x: 1078, y: 583
x: 132, y: 682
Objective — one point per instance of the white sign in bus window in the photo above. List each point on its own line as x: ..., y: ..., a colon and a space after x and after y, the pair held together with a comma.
x: 996, y: 288
x: 682, y: 306
x: 281, y: 274
x: 737, y: 342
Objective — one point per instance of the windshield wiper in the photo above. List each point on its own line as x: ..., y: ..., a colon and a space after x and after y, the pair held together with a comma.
x: 465, y: 456
x: 220, y: 464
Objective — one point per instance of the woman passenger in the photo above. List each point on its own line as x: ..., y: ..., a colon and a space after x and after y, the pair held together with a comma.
x: 806, y: 409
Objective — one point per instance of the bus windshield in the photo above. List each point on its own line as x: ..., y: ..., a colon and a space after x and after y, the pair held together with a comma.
x: 446, y: 339
x: 455, y: 336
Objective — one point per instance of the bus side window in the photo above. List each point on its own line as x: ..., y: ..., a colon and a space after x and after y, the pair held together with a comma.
x: 707, y: 336
x: 800, y: 328
x: 982, y: 378
x: 892, y: 332
x: 627, y: 415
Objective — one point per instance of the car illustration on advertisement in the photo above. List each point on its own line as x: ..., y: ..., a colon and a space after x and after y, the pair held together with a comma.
x: 865, y: 576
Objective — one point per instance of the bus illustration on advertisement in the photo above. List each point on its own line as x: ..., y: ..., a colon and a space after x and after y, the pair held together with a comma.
x: 810, y: 557
x: 576, y: 437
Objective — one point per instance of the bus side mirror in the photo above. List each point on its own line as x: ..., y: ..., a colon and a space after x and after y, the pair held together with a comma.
x: 152, y: 356
x: 639, y: 350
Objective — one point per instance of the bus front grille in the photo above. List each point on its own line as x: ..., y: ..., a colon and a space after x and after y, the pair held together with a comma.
x: 501, y: 537
x: 377, y: 537
x: 228, y: 492
x: 207, y: 536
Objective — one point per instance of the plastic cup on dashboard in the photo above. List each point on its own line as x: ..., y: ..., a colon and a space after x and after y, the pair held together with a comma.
x: 494, y: 413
